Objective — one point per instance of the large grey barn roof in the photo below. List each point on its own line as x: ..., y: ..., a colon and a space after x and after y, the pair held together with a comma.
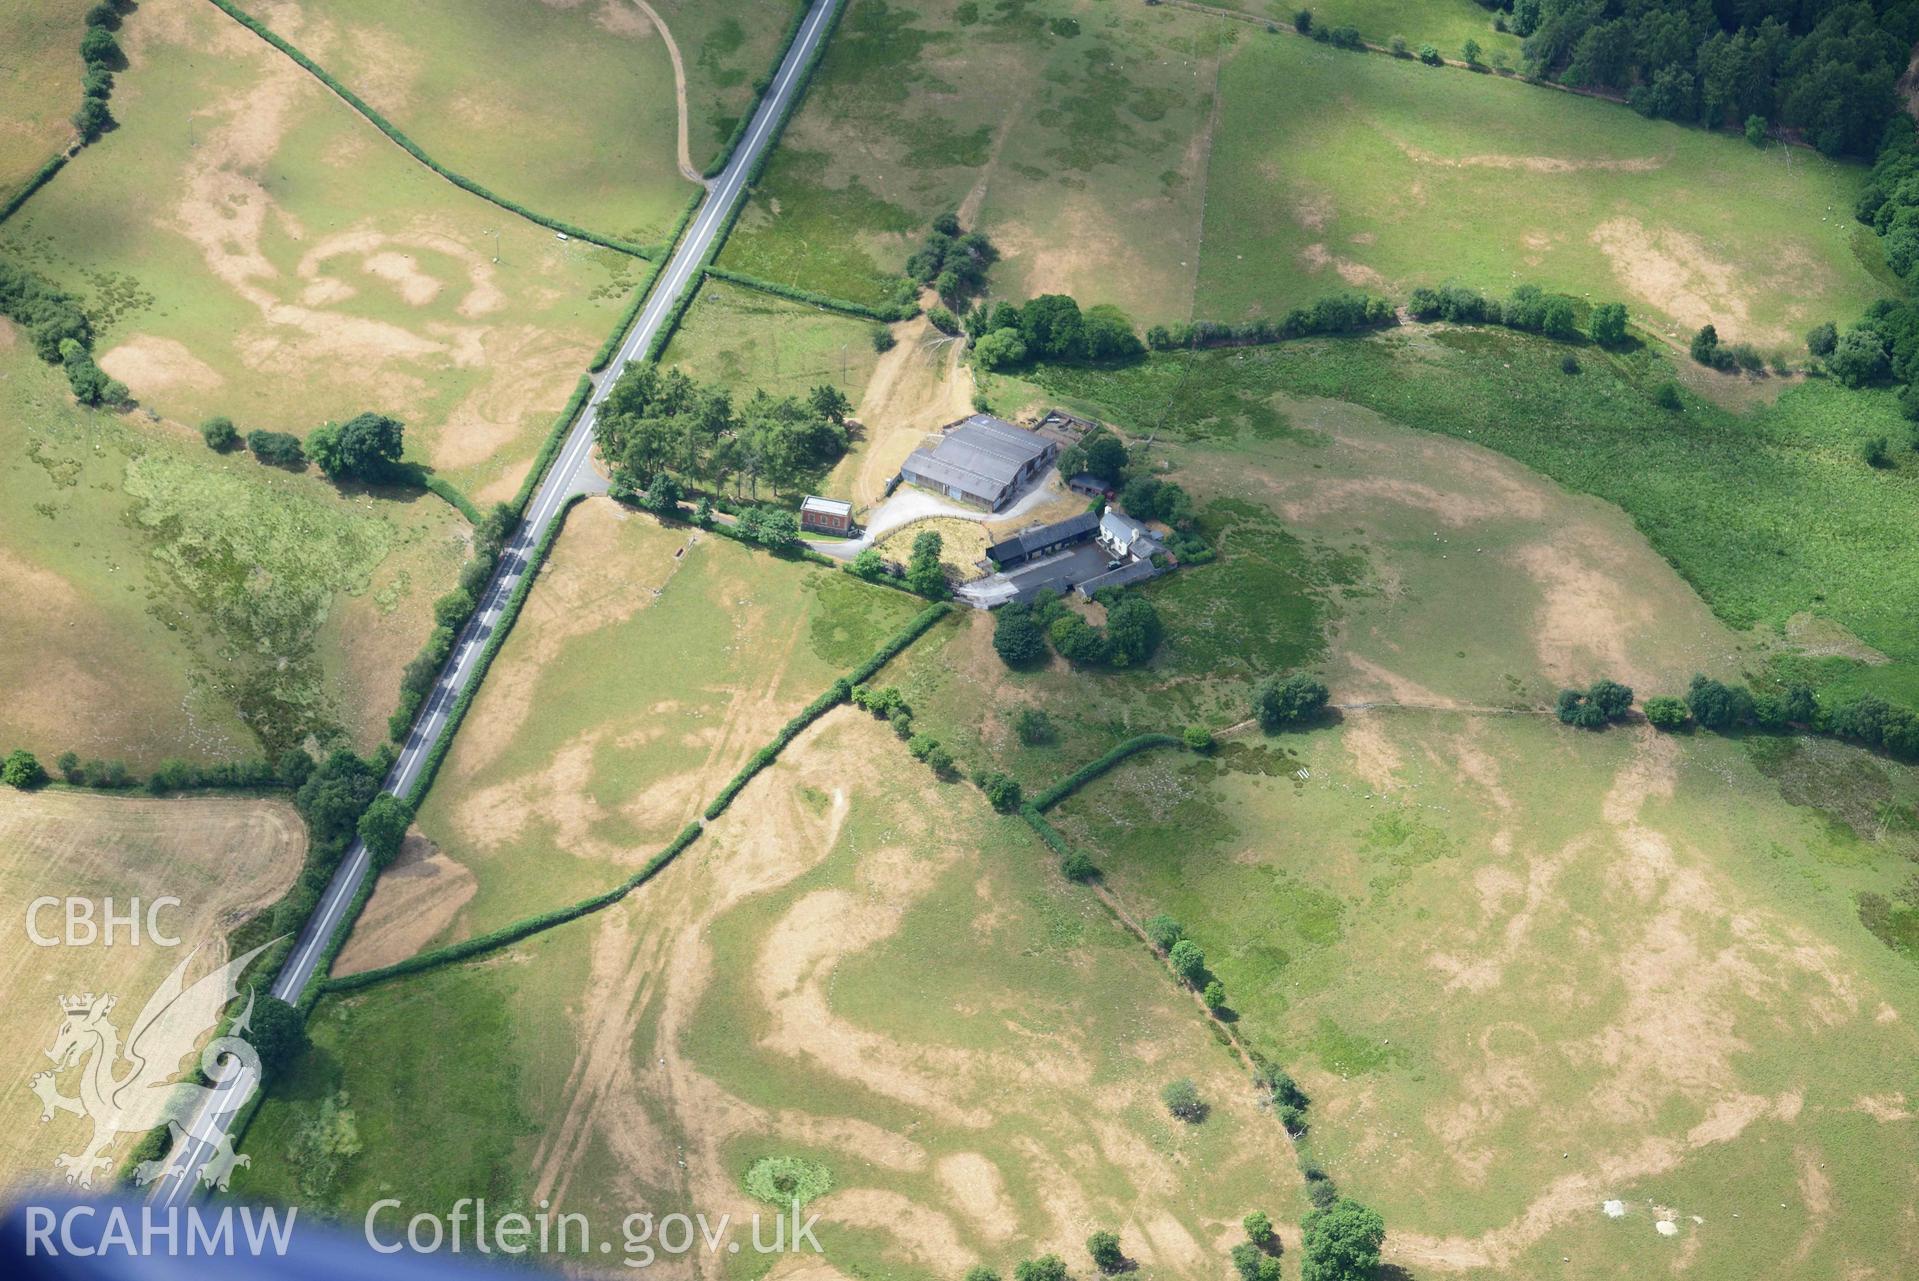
x: 982, y: 455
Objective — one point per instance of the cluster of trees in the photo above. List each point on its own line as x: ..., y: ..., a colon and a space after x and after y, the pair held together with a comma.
x: 1257, y: 1257
x: 1715, y: 705
x: 1186, y: 958
x: 1342, y: 37
x: 100, y: 55
x: 1021, y: 633
x: 655, y: 421
x: 60, y: 331
x: 1050, y: 329
x: 1826, y: 68
x: 1530, y: 309
x: 1727, y: 358
x: 1282, y: 702
x: 1604, y: 702
x: 953, y: 261
x: 1883, y: 345
x: 364, y: 447
x: 1142, y: 495
x: 1341, y: 313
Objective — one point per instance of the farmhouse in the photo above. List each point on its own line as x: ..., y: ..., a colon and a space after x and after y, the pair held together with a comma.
x: 1126, y: 538
x: 826, y: 515
x: 1042, y: 540
x: 982, y: 461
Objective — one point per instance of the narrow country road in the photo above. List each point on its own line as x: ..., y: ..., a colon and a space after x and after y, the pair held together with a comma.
x: 571, y: 473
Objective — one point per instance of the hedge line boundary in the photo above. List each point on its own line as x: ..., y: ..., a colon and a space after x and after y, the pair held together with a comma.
x: 512, y: 933
x: 508, y: 616
x: 554, y: 439
x: 725, y: 229
x: 631, y: 312
x: 526, y: 927
x: 839, y: 692
x: 1086, y: 773
x: 414, y: 149
x: 793, y: 293
x: 40, y: 179
x: 724, y: 156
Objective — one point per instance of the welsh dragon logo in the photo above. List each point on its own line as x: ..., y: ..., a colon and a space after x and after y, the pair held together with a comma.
x: 136, y: 1086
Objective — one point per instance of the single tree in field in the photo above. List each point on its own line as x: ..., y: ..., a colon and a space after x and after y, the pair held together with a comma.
x: 1342, y: 1243
x: 219, y: 433
x: 1182, y: 1099
x: 1164, y: 931
x: 22, y: 769
x: 1259, y: 1229
x: 1107, y: 1256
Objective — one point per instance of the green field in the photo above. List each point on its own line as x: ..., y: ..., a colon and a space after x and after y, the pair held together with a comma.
x: 1073, y: 132
x: 248, y: 245
x: 745, y: 341
x: 1770, y: 514
x: 568, y: 109
x: 173, y: 602
x: 41, y: 87
x: 1447, y: 24
x: 1332, y: 170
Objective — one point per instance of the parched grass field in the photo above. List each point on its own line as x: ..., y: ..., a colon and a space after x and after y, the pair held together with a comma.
x: 248, y: 245
x: 1525, y: 971
x: 1333, y: 170
x: 570, y: 109
x: 1073, y: 132
x: 41, y: 87
x: 169, y: 602
x: 223, y: 858
x: 746, y: 341
x: 1522, y: 970
x: 648, y: 665
x: 858, y: 967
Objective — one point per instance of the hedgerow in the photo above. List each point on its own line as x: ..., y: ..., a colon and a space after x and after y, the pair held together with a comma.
x: 808, y: 296
x: 412, y: 148
x: 442, y: 488
x: 628, y: 315
x: 725, y: 155
x: 508, y: 615
x: 512, y: 933
x: 39, y: 180
x: 840, y: 691
x: 1344, y: 313
x: 1085, y: 774
x: 554, y: 439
